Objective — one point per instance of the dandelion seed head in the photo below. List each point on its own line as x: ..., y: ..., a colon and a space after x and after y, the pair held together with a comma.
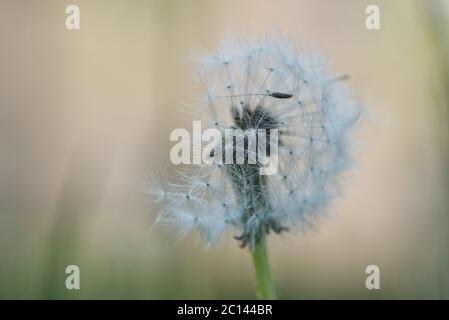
x: 265, y: 85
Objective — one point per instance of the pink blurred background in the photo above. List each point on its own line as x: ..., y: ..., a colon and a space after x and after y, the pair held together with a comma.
x: 85, y: 115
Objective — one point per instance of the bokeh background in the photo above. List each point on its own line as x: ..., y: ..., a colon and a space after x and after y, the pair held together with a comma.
x: 85, y: 115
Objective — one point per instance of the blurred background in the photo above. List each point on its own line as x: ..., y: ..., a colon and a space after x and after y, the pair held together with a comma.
x: 86, y: 114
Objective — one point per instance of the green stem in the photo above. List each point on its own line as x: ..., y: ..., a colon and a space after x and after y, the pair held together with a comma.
x: 265, y: 287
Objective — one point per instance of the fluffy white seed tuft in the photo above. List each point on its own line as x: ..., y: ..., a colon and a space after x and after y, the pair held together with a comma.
x: 313, y: 112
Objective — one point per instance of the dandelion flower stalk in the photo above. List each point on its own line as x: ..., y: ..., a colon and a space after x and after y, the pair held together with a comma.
x: 269, y: 87
x: 265, y: 286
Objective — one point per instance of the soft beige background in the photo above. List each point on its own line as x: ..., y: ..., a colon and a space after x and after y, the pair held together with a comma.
x: 85, y: 115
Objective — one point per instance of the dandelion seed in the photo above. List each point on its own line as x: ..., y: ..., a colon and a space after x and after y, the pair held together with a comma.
x: 266, y: 85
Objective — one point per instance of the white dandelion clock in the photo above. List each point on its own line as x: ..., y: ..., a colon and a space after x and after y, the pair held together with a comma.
x: 267, y: 87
